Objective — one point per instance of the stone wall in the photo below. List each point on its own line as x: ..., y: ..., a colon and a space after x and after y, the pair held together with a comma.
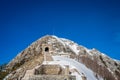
x: 52, y: 77
x: 48, y: 70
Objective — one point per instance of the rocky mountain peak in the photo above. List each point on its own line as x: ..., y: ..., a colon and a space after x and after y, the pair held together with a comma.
x: 50, y: 48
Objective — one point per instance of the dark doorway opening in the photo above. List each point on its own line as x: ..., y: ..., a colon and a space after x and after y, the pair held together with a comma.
x: 46, y: 49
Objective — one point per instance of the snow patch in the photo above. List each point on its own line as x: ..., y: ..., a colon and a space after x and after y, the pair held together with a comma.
x: 73, y: 47
x: 59, y: 40
x: 82, y: 69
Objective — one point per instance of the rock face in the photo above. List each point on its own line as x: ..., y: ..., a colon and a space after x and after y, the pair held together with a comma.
x: 44, y: 48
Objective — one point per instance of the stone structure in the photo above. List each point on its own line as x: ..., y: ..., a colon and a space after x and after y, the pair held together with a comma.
x: 64, y: 55
x: 84, y: 78
x: 49, y: 72
x: 52, y: 77
x: 46, y: 51
x: 66, y: 70
x: 46, y: 48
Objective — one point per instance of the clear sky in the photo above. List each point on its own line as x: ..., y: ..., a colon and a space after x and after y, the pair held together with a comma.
x: 91, y: 23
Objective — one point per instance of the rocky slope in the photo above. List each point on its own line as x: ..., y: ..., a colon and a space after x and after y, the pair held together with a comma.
x: 102, y: 65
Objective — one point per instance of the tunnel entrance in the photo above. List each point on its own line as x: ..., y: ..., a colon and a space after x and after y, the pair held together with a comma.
x: 46, y: 49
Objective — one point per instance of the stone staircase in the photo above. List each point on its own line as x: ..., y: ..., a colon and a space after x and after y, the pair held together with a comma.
x: 28, y: 74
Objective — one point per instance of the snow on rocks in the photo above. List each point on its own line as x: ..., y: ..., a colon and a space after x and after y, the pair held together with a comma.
x: 82, y: 69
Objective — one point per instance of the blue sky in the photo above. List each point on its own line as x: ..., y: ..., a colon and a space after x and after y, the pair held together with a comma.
x: 91, y: 23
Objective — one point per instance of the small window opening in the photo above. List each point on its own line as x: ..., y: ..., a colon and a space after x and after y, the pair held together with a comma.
x: 46, y: 49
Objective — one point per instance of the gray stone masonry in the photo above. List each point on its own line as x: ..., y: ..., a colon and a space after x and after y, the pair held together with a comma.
x: 52, y: 77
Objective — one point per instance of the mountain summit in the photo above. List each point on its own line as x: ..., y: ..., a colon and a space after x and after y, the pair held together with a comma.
x: 53, y: 58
